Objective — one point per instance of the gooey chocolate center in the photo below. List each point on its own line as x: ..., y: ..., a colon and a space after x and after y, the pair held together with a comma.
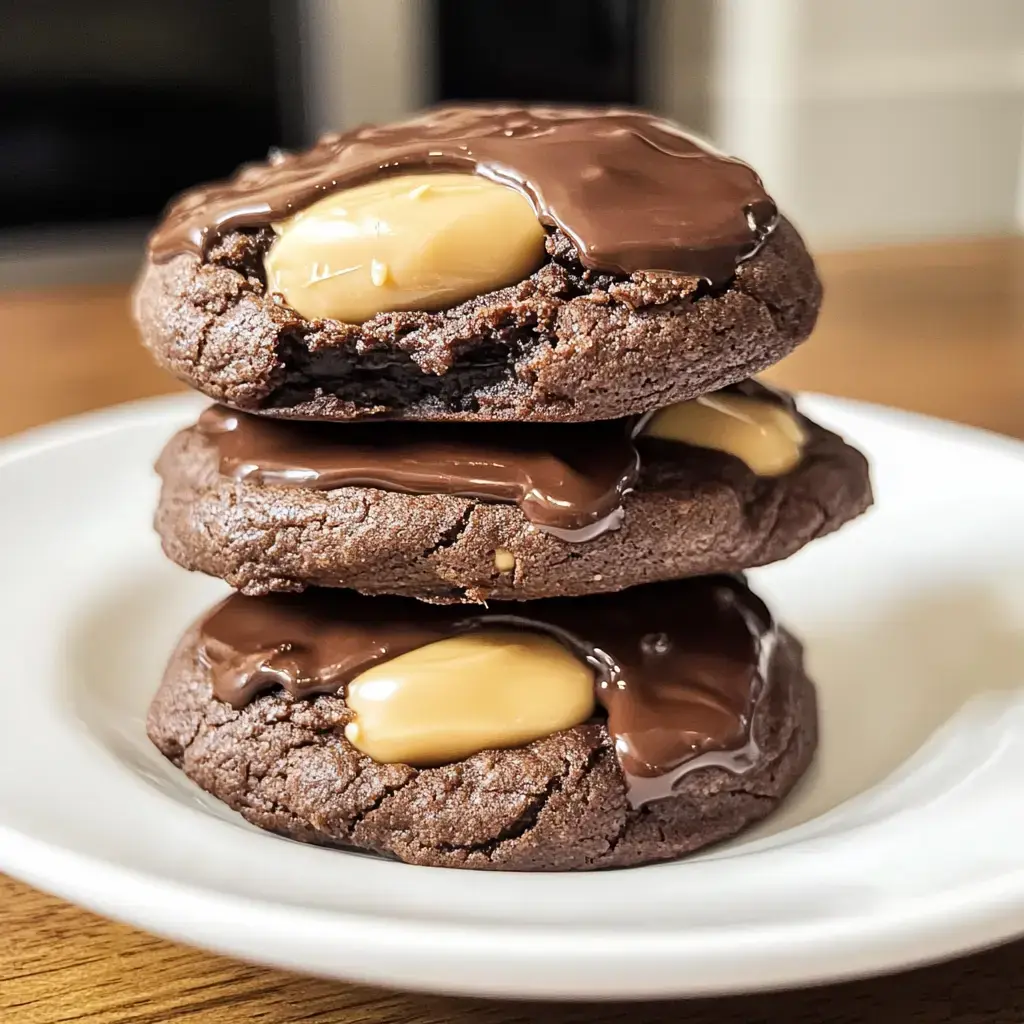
x: 679, y: 667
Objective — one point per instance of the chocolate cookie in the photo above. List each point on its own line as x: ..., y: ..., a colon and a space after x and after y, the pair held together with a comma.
x: 587, y: 796
x: 661, y: 272
x: 693, y: 511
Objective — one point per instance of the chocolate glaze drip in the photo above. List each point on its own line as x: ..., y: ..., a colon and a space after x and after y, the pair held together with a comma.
x: 633, y: 191
x: 679, y: 667
x: 569, y: 479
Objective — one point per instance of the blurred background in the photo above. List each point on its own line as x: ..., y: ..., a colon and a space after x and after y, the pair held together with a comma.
x: 889, y: 130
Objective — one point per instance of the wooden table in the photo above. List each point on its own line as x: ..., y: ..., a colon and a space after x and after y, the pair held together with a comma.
x: 938, y: 329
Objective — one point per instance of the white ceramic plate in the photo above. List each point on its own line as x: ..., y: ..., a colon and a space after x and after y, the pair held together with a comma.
x: 905, y: 843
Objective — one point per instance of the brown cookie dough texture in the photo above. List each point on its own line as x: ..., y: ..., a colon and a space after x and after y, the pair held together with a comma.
x: 696, y: 512
x: 586, y: 336
x: 566, y: 344
x: 558, y: 803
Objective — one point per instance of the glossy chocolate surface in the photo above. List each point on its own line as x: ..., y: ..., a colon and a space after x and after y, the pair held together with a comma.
x: 679, y: 667
x: 568, y: 479
x: 633, y: 191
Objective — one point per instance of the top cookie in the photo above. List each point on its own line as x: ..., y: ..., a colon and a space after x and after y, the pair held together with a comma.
x: 478, y: 263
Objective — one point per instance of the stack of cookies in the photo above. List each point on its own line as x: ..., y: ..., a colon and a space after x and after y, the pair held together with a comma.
x: 485, y: 468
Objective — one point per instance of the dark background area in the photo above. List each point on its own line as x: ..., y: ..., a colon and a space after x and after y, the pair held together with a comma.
x: 489, y: 50
x: 120, y: 103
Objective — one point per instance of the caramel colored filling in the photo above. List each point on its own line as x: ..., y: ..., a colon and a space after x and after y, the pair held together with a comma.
x: 482, y: 691
x: 674, y: 670
x: 414, y: 241
x: 766, y: 435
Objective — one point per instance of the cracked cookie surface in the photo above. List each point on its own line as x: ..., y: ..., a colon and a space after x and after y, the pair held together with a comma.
x: 557, y: 804
x: 566, y: 344
x: 694, y: 512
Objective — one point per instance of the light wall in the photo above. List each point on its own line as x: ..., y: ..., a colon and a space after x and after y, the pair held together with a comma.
x: 876, y: 120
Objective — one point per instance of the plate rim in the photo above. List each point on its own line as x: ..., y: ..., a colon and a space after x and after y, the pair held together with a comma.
x: 719, y: 962
x: 986, y: 911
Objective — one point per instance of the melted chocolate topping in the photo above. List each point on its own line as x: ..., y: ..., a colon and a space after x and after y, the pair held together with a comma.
x: 633, y: 191
x: 679, y: 667
x: 568, y: 479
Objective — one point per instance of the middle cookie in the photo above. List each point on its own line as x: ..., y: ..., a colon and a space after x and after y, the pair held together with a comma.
x: 470, y: 512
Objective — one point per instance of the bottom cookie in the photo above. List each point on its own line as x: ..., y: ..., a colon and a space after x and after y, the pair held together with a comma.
x: 595, y: 732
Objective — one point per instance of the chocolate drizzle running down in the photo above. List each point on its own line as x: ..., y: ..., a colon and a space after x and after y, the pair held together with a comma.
x: 569, y: 479
x: 633, y: 191
x: 679, y: 667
